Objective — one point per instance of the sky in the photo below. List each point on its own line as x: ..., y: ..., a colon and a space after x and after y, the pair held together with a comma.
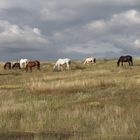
x: 52, y: 29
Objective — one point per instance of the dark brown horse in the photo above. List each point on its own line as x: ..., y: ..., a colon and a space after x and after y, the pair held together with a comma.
x: 32, y: 64
x: 16, y: 66
x: 126, y: 58
x: 7, y: 65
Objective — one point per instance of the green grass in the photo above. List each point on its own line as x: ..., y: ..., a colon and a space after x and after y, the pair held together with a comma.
x: 99, y: 101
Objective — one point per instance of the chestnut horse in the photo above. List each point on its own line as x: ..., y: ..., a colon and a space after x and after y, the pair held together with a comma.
x: 16, y: 66
x: 32, y: 64
x: 126, y: 58
x: 7, y: 65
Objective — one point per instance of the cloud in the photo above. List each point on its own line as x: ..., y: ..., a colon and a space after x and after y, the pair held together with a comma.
x: 137, y: 44
x: 30, y: 4
x: 93, y: 48
x: 69, y: 28
x: 114, y: 35
x: 13, y: 36
x: 80, y: 9
x: 62, y: 15
x: 37, y: 31
x: 127, y: 18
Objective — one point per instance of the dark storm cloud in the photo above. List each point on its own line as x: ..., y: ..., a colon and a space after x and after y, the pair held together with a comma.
x: 76, y: 29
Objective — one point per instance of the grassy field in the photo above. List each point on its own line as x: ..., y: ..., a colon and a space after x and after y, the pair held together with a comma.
x: 99, y: 101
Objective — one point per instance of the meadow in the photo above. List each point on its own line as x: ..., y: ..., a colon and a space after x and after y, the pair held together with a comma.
x: 93, y: 102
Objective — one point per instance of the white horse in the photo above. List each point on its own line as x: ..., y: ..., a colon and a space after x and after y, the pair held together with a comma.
x: 23, y: 62
x: 90, y: 60
x: 60, y: 62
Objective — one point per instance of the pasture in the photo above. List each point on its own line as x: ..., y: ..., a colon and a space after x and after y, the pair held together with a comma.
x: 90, y: 102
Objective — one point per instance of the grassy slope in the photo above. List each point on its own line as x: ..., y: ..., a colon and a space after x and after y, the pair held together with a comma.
x: 102, y: 99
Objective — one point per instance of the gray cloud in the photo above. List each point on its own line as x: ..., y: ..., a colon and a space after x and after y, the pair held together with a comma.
x: 52, y: 29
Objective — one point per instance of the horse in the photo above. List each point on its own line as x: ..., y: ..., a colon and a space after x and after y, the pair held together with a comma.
x: 23, y: 63
x: 16, y: 66
x: 60, y: 62
x: 7, y: 65
x: 126, y: 58
x: 32, y: 64
x: 90, y: 60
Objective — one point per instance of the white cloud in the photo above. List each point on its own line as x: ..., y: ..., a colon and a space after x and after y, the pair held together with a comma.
x: 11, y: 34
x: 127, y: 18
x: 137, y: 43
x: 97, y: 25
x: 37, y: 31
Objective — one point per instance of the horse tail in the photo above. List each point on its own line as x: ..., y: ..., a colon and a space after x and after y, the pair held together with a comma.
x: 94, y: 60
x: 13, y: 66
x: 69, y: 62
x: 131, y: 61
x: 5, y: 66
x: 10, y: 66
x: 38, y: 64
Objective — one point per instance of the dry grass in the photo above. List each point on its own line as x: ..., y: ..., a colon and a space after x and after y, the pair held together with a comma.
x: 99, y: 101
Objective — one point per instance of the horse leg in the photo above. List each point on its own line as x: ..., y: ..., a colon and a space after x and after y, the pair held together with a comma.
x: 68, y: 67
x: 10, y: 67
x: 85, y: 62
x: 131, y: 62
x: 30, y: 69
x: 58, y: 66
x: 122, y: 63
x: 38, y: 67
x: 26, y: 68
x: 61, y: 68
x: 94, y: 60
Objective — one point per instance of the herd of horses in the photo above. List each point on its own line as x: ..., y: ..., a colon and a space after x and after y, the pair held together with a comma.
x: 28, y: 65
x: 24, y: 63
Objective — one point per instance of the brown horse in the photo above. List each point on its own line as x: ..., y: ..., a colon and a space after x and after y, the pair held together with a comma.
x: 32, y: 64
x: 126, y: 58
x: 16, y: 66
x: 7, y: 65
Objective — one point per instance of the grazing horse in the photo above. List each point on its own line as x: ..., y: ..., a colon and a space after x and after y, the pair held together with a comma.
x: 23, y: 63
x: 7, y: 65
x: 90, y: 60
x: 60, y: 62
x: 16, y: 66
x: 32, y: 64
x: 126, y: 58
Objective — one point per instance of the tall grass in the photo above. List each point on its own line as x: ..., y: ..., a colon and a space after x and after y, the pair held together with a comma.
x: 98, y: 100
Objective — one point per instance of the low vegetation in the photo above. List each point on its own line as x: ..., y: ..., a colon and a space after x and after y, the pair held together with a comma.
x: 99, y: 101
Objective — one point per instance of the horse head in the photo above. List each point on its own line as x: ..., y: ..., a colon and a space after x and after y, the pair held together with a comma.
x: 118, y: 63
